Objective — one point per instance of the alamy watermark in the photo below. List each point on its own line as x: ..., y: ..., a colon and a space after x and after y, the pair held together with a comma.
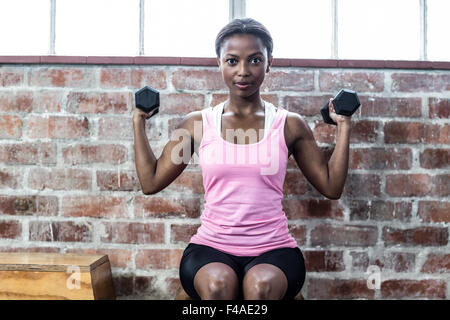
x: 265, y: 153
x: 74, y: 280
x: 374, y: 279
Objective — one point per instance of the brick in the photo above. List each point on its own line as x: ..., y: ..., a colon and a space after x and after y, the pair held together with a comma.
x: 95, y: 154
x: 173, y: 286
x: 62, y: 77
x: 439, y: 108
x: 344, y: 235
x: 61, y: 231
x: 57, y: 127
x: 26, y: 153
x: 158, y: 259
x: 294, y: 183
x: 10, y: 178
x: 312, y: 209
x: 97, y: 206
x: 182, y: 232
x: 182, y: 103
x: 361, y: 131
x: 132, y: 232
x: 380, y: 210
x: 288, y: 81
x: 420, y: 82
x: 121, y: 128
x: 118, y: 180
x: 30, y: 249
x: 420, y: 236
x: 59, y: 179
x: 206, y: 79
x: 188, y: 181
x: 10, y: 127
x: 298, y: 233
x: 390, y: 107
x: 434, y: 211
x: 394, y: 261
x: 48, y: 101
x: 324, y: 261
x: 16, y: 101
x: 441, y: 187
x: 396, y: 289
x: 339, y: 289
x: 10, y: 229
x: 118, y: 258
x: 99, y: 102
x: 29, y: 205
x: 362, y: 185
x: 156, y: 206
x: 360, y: 261
x: 155, y: 76
x: 120, y: 78
x: 11, y: 76
x: 380, y: 158
x: 416, y: 132
x: 408, y: 185
x: 307, y: 106
x: 437, y: 263
x: 435, y: 158
x: 354, y: 80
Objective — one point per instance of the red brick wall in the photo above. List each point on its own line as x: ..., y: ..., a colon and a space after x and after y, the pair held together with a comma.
x: 68, y: 181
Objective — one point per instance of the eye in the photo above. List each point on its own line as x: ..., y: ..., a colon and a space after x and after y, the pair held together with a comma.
x: 231, y: 61
x: 256, y: 60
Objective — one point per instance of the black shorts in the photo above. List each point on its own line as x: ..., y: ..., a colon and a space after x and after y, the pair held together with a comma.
x: 289, y: 260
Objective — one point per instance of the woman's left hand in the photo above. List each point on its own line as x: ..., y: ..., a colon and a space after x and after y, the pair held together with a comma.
x: 339, y: 119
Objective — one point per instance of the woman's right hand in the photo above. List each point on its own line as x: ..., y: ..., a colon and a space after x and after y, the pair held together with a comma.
x: 139, y: 115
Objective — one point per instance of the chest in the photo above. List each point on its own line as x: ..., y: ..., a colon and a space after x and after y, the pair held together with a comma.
x: 242, y: 131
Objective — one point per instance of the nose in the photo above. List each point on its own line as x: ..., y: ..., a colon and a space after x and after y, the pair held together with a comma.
x: 243, y: 70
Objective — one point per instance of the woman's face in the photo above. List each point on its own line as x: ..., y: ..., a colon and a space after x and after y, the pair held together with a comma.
x: 243, y: 62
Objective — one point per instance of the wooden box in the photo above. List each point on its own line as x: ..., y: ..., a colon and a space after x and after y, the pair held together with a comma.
x: 55, y: 276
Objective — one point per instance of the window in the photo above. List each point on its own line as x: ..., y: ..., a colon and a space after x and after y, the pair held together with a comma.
x: 382, y: 29
x: 300, y: 29
x: 183, y: 28
x: 308, y: 29
x: 97, y: 27
x: 24, y: 27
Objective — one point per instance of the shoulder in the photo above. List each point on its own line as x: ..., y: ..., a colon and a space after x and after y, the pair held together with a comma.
x: 190, y: 121
x: 296, y: 125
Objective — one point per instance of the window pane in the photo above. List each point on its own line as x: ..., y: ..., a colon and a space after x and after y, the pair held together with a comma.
x: 25, y: 27
x: 183, y: 28
x: 299, y: 28
x: 438, y: 30
x: 382, y: 29
x: 99, y: 27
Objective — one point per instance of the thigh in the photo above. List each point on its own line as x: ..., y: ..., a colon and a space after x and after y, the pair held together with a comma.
x: 290, y: 261
x: 194, y: 258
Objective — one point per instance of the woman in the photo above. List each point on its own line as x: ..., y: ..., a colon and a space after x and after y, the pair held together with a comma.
x: 243, y: 248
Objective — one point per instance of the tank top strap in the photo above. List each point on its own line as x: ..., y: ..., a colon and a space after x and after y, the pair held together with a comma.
x: 280, y: 118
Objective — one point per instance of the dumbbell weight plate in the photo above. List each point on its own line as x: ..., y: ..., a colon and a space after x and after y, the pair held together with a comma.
x: 147, y: 99
x: 346, y: 102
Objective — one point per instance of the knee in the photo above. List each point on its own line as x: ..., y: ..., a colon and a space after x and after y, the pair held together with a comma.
x: 261, y: 289
x: 219, y: 287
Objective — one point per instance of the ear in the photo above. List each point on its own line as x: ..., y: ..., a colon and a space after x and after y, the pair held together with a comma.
x: 269, y: 64
x: 218, y: 62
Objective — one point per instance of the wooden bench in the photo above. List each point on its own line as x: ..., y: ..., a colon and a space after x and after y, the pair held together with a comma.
x: 55, y: 276
x: 182, y: 295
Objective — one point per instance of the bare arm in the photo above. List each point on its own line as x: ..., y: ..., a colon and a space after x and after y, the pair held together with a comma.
x: 327, y: 177
x: 156, y: 174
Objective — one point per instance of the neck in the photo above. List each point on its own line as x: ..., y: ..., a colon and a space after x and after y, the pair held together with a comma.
x: 244, y: 106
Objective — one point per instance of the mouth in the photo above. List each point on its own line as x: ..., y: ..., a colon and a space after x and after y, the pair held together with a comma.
x: 243, y: 85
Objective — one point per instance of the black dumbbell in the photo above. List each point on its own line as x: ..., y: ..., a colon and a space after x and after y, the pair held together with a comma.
x: 147, y: 99
x: 345, y: 103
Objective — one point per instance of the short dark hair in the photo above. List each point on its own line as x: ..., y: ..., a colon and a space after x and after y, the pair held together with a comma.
x: 245, y: 26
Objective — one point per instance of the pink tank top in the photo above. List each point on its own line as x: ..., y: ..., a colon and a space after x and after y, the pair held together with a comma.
x: 243, y: 186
